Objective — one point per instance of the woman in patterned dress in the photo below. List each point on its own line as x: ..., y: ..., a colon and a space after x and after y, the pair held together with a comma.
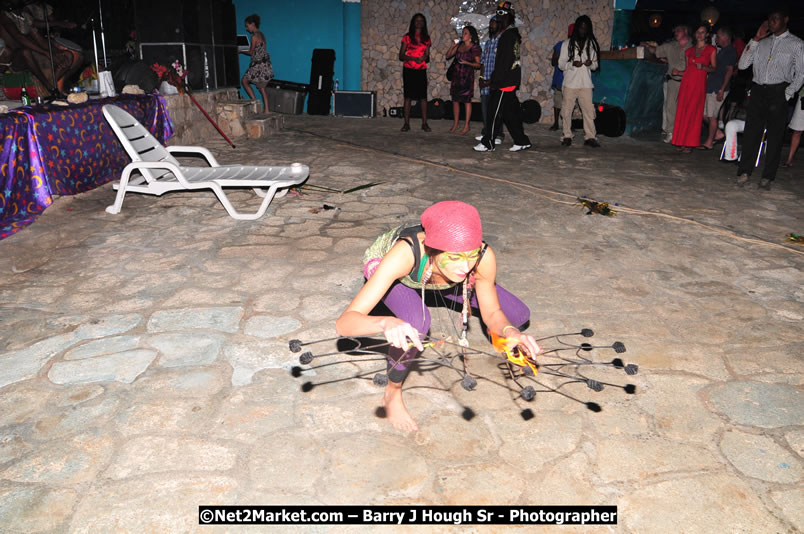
x: 260, y: 71
x: 467, y: 53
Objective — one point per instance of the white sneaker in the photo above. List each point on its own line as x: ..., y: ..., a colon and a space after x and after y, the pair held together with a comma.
x: 478, y: 138
x: 498, y: 141
x: 517, y: 148
x: 480, y: 147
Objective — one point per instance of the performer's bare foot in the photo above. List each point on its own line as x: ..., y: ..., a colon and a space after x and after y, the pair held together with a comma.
x: 395, y: 409
x: 454, y: 127
x: 464, y: 130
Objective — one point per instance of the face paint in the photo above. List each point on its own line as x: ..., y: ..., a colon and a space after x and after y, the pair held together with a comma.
x: 448, y: 258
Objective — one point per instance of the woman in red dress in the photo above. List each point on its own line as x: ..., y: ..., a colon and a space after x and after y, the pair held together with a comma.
x: 692, y: 94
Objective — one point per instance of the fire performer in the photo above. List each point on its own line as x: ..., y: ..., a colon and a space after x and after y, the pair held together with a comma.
x: 446, y: 257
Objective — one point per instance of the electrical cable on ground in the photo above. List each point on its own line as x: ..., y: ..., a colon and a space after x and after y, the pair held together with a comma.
x: 539, y: 191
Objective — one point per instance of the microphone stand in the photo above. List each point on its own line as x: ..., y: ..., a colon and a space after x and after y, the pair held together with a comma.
x: 103, y: 35
x: 55, y: 89
x: 95, y: 49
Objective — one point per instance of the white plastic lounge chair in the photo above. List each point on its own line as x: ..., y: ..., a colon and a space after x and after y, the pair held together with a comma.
x: 154, y: 171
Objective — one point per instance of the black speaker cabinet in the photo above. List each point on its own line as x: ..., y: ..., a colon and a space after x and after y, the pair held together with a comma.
x: 435, y: 109
x: 221, y: 62
x: 531, y: 111
x: 185, y: 21
x: 355, y: 104
x: 610, y: 120
x: 201, y: 34
x: 227, y: 66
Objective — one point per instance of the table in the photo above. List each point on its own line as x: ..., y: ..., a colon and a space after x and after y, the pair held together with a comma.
x: 65, y: 150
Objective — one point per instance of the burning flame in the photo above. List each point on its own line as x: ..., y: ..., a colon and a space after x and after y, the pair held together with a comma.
x: 516, y: 354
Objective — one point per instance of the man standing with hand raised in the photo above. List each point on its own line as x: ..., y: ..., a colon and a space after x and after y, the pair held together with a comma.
x: 778, y: 60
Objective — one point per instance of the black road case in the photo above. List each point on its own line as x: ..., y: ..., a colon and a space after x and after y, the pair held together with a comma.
x: 355, y: 104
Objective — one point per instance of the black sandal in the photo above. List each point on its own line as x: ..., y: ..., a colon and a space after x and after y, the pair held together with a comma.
x: 405, y: 128
x: 426, y: 128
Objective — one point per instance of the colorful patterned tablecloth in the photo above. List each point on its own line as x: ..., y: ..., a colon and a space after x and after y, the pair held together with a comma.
x: 55, y: 150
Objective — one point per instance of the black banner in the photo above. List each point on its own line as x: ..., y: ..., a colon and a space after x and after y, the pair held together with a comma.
x: 407, y: 515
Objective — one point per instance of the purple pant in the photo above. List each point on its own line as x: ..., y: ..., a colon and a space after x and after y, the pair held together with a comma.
x: 406, y: 304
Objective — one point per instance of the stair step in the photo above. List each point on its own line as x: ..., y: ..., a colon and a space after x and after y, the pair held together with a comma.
x: 241, y: 109
x: 262, y: 125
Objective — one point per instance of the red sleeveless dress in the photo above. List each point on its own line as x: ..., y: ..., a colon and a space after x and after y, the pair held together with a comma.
x: 691, y: 99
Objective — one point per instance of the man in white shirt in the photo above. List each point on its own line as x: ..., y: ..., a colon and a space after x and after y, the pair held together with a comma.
x: 777, y: 57
x: 578, y: 58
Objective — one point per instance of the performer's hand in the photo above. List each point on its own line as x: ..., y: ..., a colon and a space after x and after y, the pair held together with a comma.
x: 588, y: 62
x: 577, y: 63
x: 515, y: 337
x: 720, y: 95
x: 397, y: 332
x: 675, y: 72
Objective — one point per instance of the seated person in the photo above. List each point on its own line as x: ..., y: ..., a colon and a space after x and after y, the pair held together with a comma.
x: 735, y: 106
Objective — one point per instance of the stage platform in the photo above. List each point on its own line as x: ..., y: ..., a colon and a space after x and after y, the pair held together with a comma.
x: 63, y: 150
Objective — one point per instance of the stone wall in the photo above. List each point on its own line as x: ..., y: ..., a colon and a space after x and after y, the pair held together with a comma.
x: 236, y: 117
x: 544, y: 24
x: 190, y: 124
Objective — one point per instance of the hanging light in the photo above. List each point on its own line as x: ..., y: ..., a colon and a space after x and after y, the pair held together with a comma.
x: 710, y: 14
x: 655, y: 20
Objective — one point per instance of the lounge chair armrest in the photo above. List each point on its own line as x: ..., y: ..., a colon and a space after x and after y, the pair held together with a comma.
x: 162, y: 165
x: 195, y: 150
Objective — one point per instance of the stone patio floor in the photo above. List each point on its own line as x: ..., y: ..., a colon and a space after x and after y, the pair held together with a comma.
x: 144, y: 365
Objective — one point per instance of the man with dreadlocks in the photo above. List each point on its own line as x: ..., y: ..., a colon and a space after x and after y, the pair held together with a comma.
x: 505, y: 80
x: 579, y: 57
x: 445, y: 258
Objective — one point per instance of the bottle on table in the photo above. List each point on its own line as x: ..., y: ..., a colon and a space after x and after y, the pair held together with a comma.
x: 24, y: 98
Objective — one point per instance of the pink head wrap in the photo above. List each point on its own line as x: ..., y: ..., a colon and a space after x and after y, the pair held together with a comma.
x: 452, y: 226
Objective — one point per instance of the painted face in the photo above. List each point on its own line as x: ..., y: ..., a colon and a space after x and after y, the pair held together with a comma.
x: 456, y: 265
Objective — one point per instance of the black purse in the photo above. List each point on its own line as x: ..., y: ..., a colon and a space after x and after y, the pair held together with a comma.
x: 452, y: 68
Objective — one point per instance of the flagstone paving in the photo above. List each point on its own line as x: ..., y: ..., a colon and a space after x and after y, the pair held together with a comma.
x: 144, y: 365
